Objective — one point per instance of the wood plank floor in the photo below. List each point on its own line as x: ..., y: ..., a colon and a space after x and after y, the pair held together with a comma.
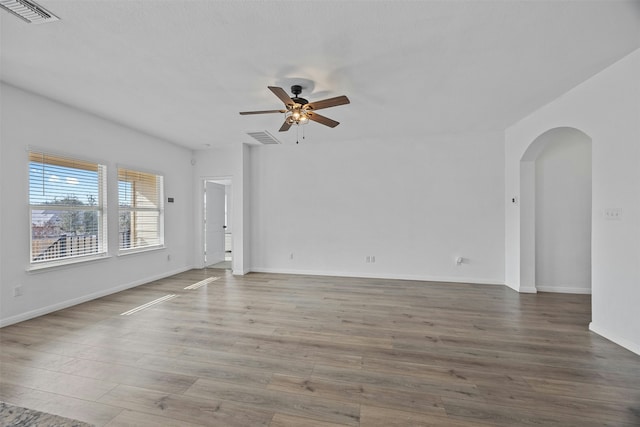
x: 286, y: 350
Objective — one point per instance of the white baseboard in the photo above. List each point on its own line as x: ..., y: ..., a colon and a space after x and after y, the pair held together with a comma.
x: 629, y: 345
x: 564, y: 289
x: 378, y: 276
x: 557, y: 289
x: 75, y: 301
x: 514, y: 287
x: 240, y: 272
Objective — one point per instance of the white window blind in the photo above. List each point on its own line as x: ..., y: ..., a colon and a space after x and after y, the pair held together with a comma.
x: 141, y: 208
x: 67, y: 205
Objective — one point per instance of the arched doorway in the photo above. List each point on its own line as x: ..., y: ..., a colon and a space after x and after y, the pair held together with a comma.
x: 555, y: 213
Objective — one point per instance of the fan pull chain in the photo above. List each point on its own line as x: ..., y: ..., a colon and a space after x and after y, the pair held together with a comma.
x: 298, y: 133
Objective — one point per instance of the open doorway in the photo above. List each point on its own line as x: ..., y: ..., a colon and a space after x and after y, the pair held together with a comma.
x: 555, y: 208
x: 217, y: 224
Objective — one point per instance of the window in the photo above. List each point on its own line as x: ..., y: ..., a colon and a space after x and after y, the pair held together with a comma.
x: 67, y: 208
x: 141, y: 210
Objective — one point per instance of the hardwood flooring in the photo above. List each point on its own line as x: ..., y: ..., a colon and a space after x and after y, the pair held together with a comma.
x: 286, y: 350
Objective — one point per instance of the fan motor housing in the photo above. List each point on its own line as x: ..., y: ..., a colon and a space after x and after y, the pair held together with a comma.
x: 297, y: 90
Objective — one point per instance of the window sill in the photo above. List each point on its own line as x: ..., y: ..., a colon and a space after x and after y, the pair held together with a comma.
x: 141, y: 250
x: 54, y: 265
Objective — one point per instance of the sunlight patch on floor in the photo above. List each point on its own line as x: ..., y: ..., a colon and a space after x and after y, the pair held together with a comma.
x: 202, y: 283
x: 149, y: 304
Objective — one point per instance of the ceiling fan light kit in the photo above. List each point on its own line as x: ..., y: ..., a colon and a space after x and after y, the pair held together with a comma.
x: 300, y: 111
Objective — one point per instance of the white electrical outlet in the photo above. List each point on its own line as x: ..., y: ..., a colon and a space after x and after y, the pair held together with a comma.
x: 17, y: 291
x: 613, y: 214
x: 368, y: 259
x: 291, y: 255
x: 373, y: 258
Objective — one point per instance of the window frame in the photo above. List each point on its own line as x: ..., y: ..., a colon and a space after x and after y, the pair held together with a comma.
x: 160, y: 209
x: 68, y: 160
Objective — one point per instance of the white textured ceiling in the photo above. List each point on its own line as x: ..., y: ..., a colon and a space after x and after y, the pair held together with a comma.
x: 183, y: 69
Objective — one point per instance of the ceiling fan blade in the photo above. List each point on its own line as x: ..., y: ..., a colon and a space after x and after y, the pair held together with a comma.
x: 280, y: 93
x: 285, y: 126
x: 244, y: 113
x: 322, y: 119
x: 329, y: 102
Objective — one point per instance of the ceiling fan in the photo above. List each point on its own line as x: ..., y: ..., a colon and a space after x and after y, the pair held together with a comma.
x: 299, y: 111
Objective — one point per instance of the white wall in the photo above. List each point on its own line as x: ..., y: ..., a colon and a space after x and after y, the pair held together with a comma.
x: 246, y: 210
x: 563, y: 213
x: 606, y: 108
x: 30, y: 120
x: 414, y: 205
x: 223, y: 163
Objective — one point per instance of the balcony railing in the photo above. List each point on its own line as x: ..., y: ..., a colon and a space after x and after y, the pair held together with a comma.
x: 65, y: 246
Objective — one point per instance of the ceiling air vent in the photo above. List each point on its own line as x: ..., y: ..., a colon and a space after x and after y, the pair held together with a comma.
x: 28, y: 11
x: 263, y: 137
